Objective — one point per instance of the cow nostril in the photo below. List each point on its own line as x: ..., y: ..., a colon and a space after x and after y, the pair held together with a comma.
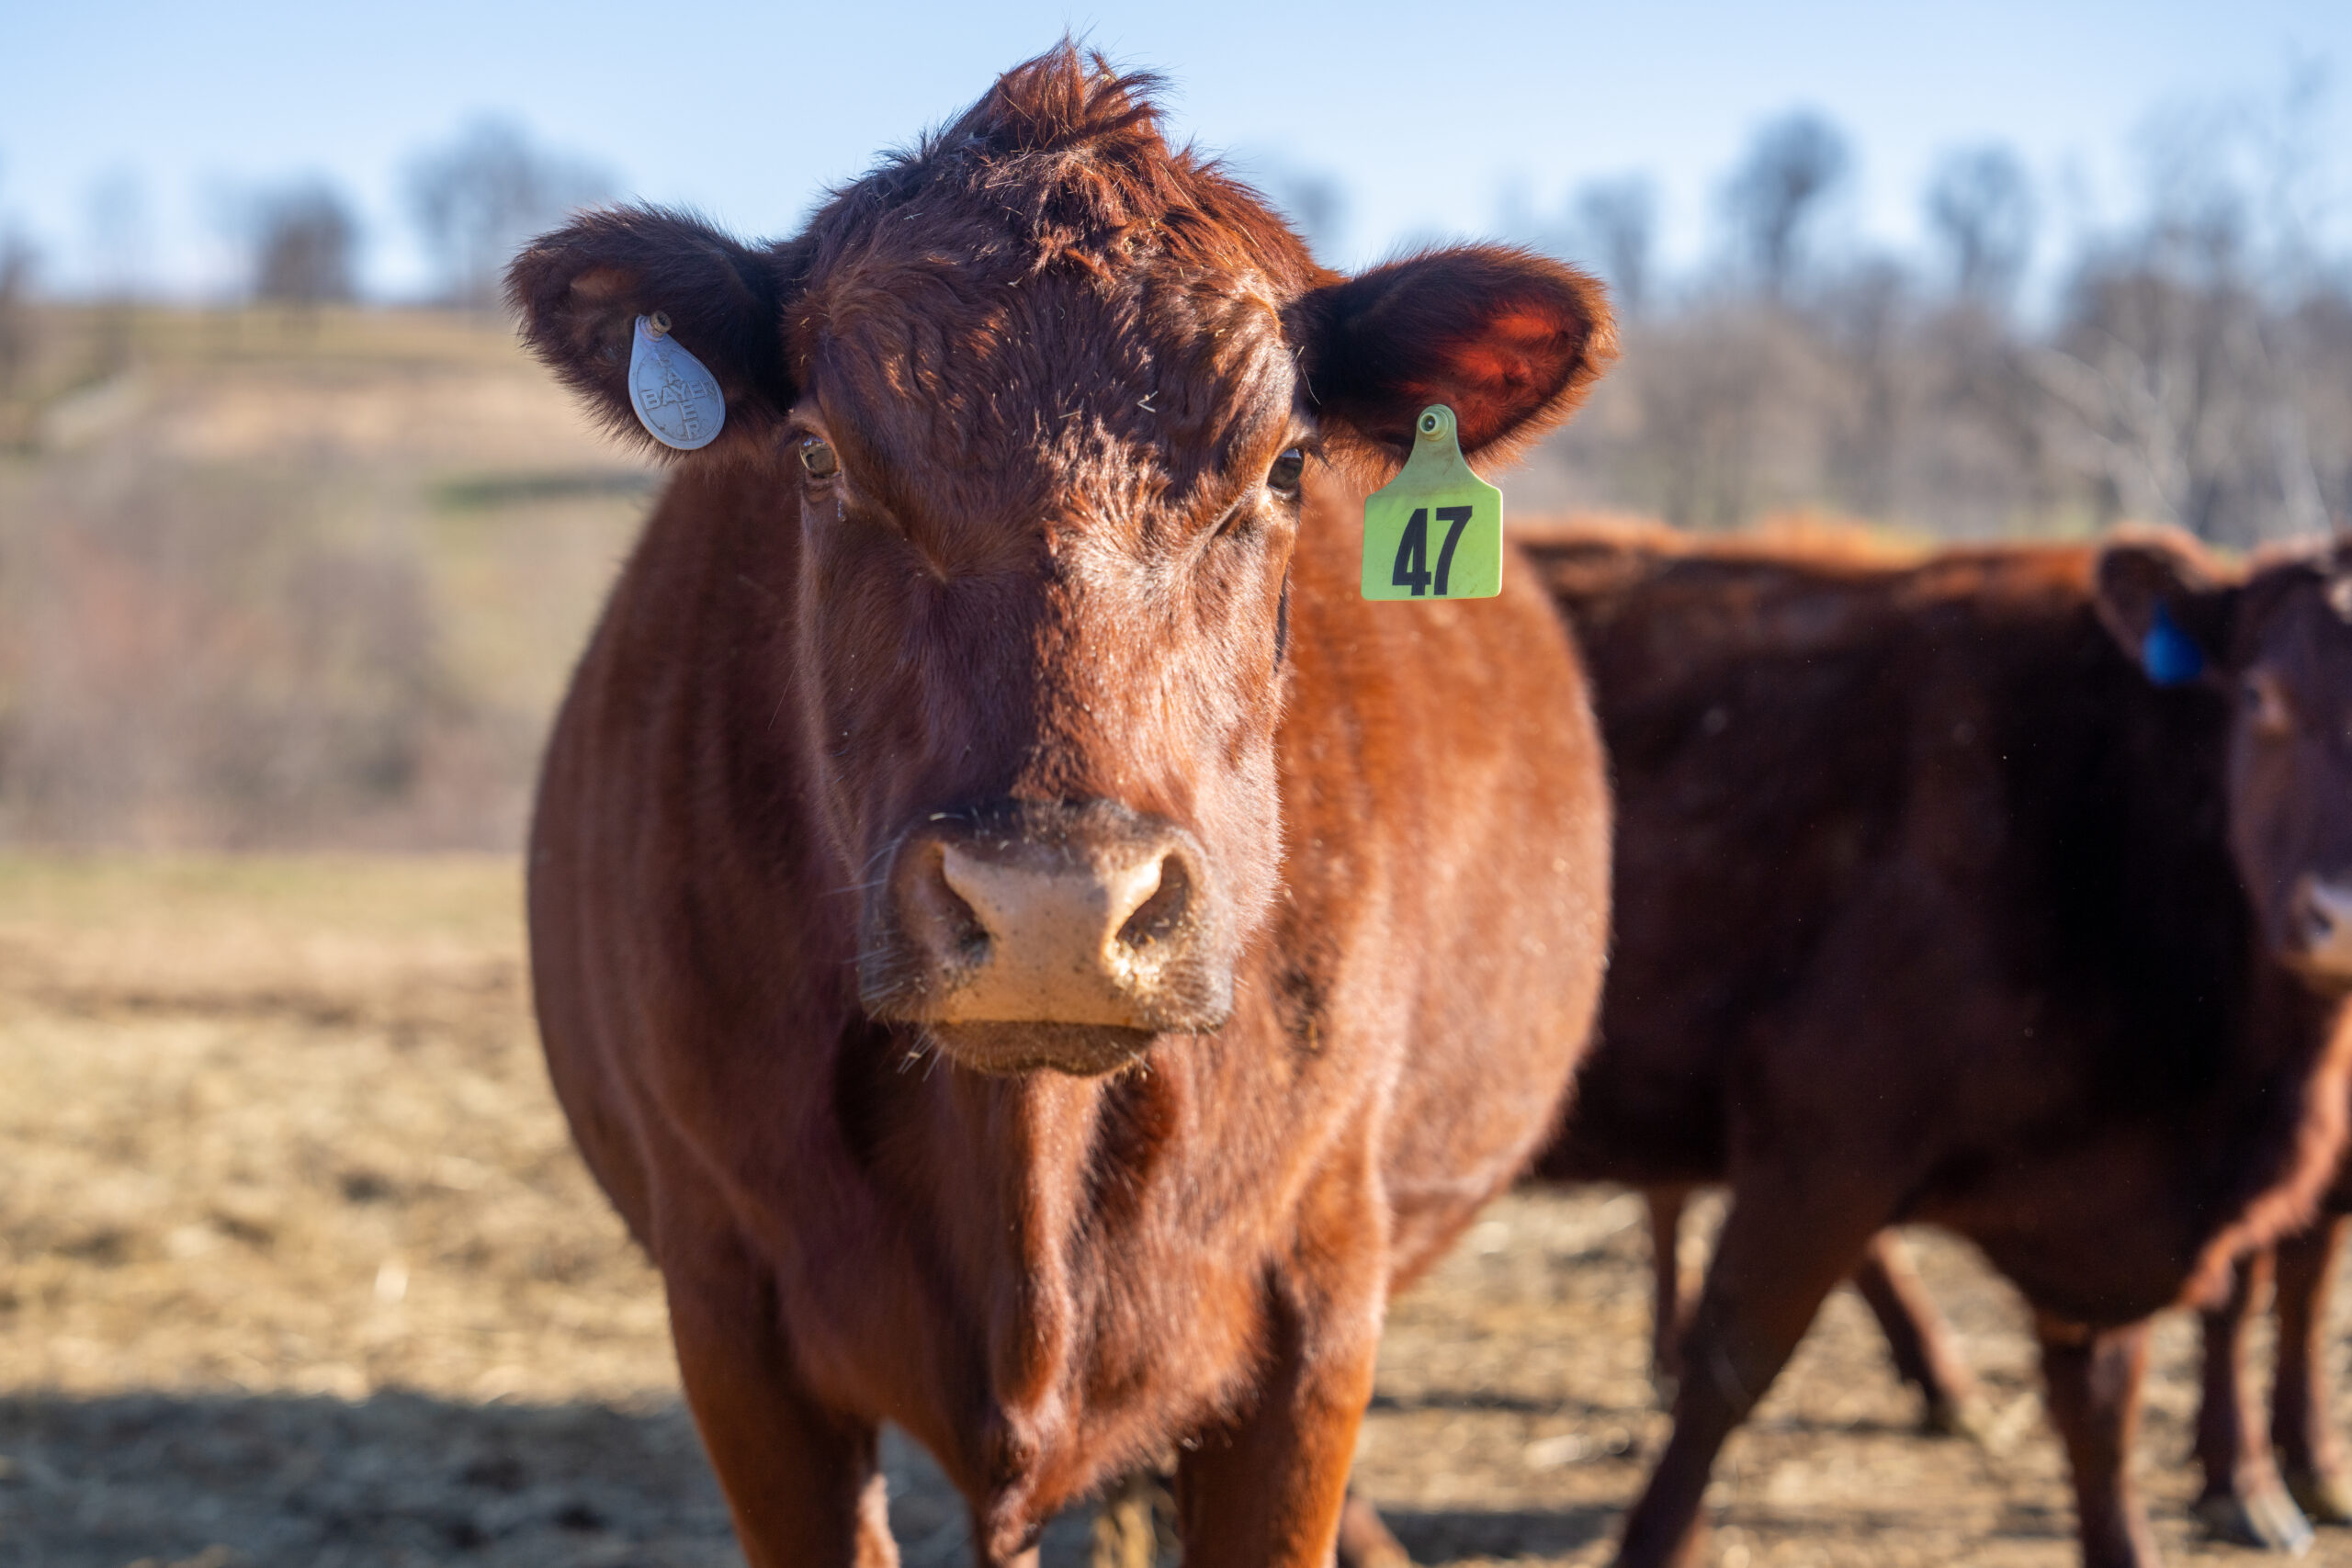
x: 1160, y: 917
x: 945, y: 917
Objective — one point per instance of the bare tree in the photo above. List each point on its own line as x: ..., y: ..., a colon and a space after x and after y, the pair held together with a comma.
x: 2182, y: 368
x: 17, y: 262
x: 1777, y: 193
x: 120, y: 237
x: 2139, y: 369
x: 1982, y: 211
x: 304, y: 239
x: 1616, y: 222
x: 480, y: 198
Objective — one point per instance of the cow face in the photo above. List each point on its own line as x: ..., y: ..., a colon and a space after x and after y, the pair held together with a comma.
x: 1047, y: 404
x: 2280, y: 645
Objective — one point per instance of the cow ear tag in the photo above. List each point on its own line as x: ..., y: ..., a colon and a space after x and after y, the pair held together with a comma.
x: 1436, y: 530
x: 2170, y: 655
x: 676, y: 397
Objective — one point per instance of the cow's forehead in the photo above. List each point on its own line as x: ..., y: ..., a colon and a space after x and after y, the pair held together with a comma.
x: 1048, y: 292
x: 964, y: 359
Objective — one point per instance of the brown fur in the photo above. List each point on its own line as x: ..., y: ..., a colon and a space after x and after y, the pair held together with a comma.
x: 1056, y: 358
x: 1932, y: 906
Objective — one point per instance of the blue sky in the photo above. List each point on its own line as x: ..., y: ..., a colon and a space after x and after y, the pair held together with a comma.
x: 1427, y: 115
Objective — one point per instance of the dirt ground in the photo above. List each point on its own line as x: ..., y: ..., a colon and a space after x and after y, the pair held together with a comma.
x: 297, y: 1267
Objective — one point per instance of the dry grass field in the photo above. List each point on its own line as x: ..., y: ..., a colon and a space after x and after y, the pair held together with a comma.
x: 297, y: 1267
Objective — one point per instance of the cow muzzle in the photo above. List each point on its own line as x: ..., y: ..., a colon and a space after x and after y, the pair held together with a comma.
x: 1033, y: 927
x: 2320, y: 923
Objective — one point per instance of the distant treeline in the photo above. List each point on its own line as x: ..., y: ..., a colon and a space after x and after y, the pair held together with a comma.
x: 471, y: 201
x: 2190, y: 364
x: 2032, y: 372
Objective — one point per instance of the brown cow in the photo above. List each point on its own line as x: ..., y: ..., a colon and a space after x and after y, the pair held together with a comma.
x: 1932, y: 905
x: 1033, y: 955
x: 2260, y: 1489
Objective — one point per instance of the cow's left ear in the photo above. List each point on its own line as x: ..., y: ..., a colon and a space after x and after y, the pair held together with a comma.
x: 580, y: 289
x: 1511, y: 341
x: 2161, y: 598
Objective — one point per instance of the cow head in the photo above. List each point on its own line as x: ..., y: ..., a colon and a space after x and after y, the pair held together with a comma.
x: 2280, y: 644
x: 1047, y: 403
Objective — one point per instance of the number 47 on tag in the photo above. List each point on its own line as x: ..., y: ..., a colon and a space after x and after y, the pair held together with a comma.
x: 1436, y: 530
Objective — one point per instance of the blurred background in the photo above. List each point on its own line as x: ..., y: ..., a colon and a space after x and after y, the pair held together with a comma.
x: 295, y: 548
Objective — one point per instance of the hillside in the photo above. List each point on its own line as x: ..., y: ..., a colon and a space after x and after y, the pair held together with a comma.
x: 274, y: 579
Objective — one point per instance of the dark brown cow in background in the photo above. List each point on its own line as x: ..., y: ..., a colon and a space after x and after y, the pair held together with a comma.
x: 2262, y: 1487
x: 1034, y: 957
x: 1932, y: 905
x: 2268, y: 1476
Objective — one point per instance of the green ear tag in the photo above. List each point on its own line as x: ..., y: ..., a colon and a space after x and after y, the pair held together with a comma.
x: 1436, y: 530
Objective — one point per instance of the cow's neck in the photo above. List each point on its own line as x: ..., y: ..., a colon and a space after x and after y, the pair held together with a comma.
x: 1019, y: 1147
x: 1026, y: 1175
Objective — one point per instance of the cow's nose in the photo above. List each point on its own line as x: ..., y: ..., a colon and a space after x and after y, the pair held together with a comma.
x: 1088, y: 919
x: 2323, y: 919
x: 1091, y: 916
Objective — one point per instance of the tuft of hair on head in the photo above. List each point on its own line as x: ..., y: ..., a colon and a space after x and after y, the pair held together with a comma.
x: 1066, y: 100
x: 1065, y: 153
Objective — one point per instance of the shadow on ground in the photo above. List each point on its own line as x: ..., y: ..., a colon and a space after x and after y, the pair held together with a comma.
x: 232, y: 1481
x: 1445, y: 1535
x: 396, y: 1478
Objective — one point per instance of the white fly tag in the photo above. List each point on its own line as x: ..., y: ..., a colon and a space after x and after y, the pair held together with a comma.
x: 676, y: 398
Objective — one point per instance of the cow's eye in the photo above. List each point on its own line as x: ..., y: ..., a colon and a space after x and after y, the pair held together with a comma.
x: 2268, y: 710
x: 1283, y: 478
x: 818, y: 460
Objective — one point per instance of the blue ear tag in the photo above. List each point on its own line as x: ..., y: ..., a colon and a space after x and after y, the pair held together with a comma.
x: 2170, y: 656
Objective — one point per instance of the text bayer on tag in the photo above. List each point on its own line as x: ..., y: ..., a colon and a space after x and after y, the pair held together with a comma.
x: 1436, y: 530
x: 676, y: 398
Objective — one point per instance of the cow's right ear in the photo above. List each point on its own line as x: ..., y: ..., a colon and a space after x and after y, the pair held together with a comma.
x: 1510, y: 340
x: 579, y: 290
x: 2161, y: 598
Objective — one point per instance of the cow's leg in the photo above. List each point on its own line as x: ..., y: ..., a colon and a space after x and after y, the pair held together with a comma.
x: 2299, y: 1425
x: 1669, y: 1300
x: 1125, y: 1535
x: 1264, y: 1488
x: 805, y: 1485
x: 2243, y: 1501
x: 2092, y: 1382
x: 1919, y: 1338
x: 1785, y: 1245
